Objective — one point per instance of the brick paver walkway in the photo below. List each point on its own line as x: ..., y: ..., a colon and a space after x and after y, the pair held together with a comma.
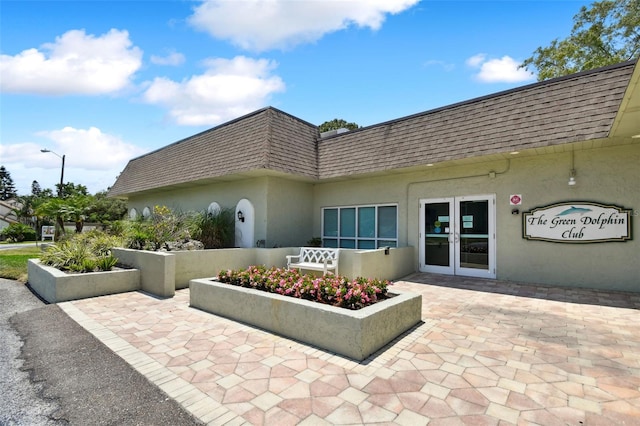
x: 487, y: 353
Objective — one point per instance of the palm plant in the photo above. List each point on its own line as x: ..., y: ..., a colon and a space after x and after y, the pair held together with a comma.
x: 52, y: 208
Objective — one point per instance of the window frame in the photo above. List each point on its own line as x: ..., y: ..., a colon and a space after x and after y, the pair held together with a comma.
x: 376, y: 239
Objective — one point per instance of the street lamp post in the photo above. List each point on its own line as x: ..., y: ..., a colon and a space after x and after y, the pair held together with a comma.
x: 61, y: 172
x: 60, y: 228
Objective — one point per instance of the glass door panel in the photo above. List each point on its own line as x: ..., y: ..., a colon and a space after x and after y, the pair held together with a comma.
x: 437, y: 247
x: 458, y: 236
x: 474, y: 234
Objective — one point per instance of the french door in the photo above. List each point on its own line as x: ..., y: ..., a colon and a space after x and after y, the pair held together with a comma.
x: 457, y: 236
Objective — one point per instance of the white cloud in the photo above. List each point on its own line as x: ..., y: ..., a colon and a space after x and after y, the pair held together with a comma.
x: 172, y: 59
x: 91, y: 148
x: 260, y: 25
x: 476, y: 60
x: 76, y: 63
x: 503, y: 70
x: 229, y: 88
x: 92, y: 158
x: 446, y: 66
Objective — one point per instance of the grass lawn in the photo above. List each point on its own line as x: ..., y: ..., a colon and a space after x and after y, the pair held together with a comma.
x: 13, y: 262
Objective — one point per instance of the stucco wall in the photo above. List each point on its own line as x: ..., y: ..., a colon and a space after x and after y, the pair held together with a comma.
x: 398, y: 263
x: 157, y: 269
x: 208, y: 263
x: 286, y: 205
x: 290, y: 213
x: 354, y: 333
x: 607, y: 175
x: 353, y: 263
x: 56, y: 286
x: 198, y: 198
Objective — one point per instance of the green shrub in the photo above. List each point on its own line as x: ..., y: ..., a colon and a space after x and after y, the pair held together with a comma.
x: 162, y: 226
x: 118, y: 228
x: 82, y: 253
x: 18, y: 232
x: 85, y: 265
x: 167, y: 225
x: 138, y: 235
x: 215, y: 229
x: 105, y: 263
x: 101, y: 244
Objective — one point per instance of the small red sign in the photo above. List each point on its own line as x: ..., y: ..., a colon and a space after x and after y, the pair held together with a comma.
x: 515, y: 200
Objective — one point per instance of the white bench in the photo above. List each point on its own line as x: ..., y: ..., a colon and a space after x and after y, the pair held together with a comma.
x: 48, y: 232
x: 315, y: 259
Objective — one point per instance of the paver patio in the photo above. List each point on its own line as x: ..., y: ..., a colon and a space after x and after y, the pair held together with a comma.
x: 487, y: 353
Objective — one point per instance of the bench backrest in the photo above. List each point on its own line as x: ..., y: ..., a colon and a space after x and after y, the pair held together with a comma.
x: 318, y: 254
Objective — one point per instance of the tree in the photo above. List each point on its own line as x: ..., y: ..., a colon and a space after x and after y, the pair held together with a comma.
x: 36, y: 190
x: 336, y: 124
x: 606, y: 33
x: 70, y: 189
x: 53, y: 209
x: 74, y: 208
x: 106, y: 210
x: 28, y: 204
x: 7, y: 187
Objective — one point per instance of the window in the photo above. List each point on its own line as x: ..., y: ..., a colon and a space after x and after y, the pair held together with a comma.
x: 214, y: 208
x: 362, y: 227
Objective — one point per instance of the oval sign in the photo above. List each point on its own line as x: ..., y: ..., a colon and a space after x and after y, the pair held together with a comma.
x: 577, y: 222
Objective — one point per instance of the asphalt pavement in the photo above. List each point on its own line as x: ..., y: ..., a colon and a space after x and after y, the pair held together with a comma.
x: 21, y: 400
x: 54, y: 372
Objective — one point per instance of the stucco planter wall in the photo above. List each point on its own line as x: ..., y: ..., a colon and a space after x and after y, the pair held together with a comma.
x: 56, y: 286
x: 391, y: 265
x: 355, y: 334
x: 162, y: 273
x: 157, y: 269
x: 207, y: 263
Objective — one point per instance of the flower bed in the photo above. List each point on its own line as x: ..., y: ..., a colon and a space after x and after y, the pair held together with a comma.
x: 354, y: 333
x: 330, y: 289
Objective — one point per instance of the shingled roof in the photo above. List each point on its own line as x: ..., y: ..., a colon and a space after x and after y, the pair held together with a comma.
x: 568, y: 109
x: 579, y: 107
x: 262, y: 140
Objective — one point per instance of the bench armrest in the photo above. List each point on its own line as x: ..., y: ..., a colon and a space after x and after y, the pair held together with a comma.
x: 290, y: 258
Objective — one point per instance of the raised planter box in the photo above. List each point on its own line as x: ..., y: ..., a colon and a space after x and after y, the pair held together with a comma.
x: 56, y: 286
x: 355, y: 334
x: 157, y: 269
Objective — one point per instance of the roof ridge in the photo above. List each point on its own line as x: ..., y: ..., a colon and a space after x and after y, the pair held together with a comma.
x: 489, y: 96
x: 226, y: 123
x: 219, y: 126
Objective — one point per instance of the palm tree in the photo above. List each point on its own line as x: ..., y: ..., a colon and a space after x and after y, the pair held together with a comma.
x: 53, y: 208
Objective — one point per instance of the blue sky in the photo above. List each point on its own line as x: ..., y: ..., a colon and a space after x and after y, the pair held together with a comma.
x: 105, y: 81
